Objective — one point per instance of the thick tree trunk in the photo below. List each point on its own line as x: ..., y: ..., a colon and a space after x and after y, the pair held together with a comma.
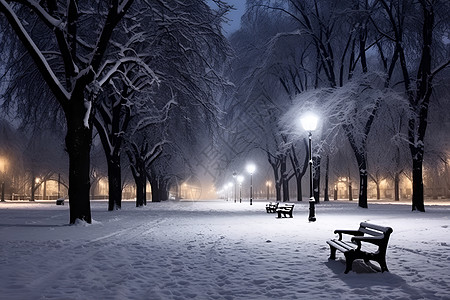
x: 114, y: 183
x: 362, y: 201
x: 327, y: 169
x: 378, y: 191
x: 276, y: 177
x: 284, y: 179
x: 417, y: 191
x: 299, y: 188
x: 140, y: 191
x: 144, y: 187
x: 33, y: 187
x: 397, y: 186
x: 78, y: 144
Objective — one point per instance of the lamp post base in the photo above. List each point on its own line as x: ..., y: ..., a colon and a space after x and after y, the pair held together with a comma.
x: 312, y: 210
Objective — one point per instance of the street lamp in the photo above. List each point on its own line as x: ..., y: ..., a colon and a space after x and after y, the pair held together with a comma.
x: 309, y: 123
x: 251, y: 169
x: 234, y: 178
x: 240, y: 179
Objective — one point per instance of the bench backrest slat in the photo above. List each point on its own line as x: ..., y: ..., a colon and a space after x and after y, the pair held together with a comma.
x: 370, y: 232
x: 373, y: 229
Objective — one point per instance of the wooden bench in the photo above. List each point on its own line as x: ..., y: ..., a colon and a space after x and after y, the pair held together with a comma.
x: 271, y: 207
x: 60, y: 201
x: 285, y: 210
x: 367, y: 233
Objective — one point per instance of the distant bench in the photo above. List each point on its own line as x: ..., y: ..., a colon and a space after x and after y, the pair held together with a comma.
x: 271, y: 207
x: 368, y: 233
x: 285, y: 210
x: 60, y: 201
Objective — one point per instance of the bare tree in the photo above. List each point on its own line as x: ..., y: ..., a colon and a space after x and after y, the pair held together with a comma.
x: 427, y: 65
x: 71, y: 64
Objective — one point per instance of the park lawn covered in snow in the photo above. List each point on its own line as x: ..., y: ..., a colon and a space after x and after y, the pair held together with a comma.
x: 216, y: 250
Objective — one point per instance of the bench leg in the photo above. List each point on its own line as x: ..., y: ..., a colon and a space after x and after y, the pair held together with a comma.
x: 332, y: 252
x: 349, y: 258
x: 279, y: 214
x: 383, y: 265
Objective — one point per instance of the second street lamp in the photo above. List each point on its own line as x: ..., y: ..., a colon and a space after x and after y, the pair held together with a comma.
x: 251, y: 169
x: 240, y: 179
x: 309, y: 123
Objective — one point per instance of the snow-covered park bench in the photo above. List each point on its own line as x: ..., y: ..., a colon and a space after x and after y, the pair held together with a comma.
x: 271, y: 207
x: 60, y: 201
x: 285, y: 210
x: 367, y: 233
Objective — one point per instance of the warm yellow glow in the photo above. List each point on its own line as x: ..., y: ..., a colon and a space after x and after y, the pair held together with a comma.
x: 268, y: 183
x: 3, y: 164
x: 37, y: 180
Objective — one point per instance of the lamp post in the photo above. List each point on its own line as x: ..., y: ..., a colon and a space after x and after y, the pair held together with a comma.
x: 309, y: 123
x: 240, y: 179
x: 234, y: 178
x: 251, y: 169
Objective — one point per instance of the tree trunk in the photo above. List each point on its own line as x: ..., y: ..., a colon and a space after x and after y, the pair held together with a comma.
x: 362, y: 201
x: 417, y: 191
x: 299, y: 188
x: 378, y: 191
x: 327, y: 169
x: 78, y: 145
x: 114, y: 183
x: 316, y: 178
x: 139, y: 193
x: 284, y: 179
x: 144, y: 190
x: 33, y: 187
x: 397, y: 186
x: 276, y: 177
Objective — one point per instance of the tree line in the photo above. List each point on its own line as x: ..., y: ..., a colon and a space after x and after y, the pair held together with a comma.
x: 372, y: 70
x: 139, y: 74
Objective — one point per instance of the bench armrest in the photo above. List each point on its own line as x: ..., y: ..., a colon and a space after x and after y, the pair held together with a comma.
x: 349, y: 232
x: 376, y: 240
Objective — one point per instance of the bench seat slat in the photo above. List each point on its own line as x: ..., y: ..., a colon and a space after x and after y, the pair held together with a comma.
x: 341, y: 245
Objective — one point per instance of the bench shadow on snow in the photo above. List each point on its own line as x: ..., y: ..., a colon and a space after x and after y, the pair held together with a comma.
x: 365, y: 275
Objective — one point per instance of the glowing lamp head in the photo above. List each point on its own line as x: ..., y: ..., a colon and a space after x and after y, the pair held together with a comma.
x: 309, y: 122
x: 251, y: 168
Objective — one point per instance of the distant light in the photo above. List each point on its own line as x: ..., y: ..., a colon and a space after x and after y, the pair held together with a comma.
x: 240, y: 178
x: 3, y: 164
x: 309, y: 121
x: 251, y: 168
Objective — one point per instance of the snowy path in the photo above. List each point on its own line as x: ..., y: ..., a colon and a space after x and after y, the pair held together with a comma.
x: 215, y: 250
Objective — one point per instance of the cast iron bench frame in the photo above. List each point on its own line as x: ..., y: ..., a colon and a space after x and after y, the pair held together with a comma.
x: 286, y: 210
x: 272, y: 207
x: 368, y: 233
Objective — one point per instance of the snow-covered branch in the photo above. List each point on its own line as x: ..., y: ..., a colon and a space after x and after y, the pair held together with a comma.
x: 45, y: 69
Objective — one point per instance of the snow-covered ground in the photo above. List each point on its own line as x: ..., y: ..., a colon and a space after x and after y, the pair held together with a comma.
x: 216, y: 250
